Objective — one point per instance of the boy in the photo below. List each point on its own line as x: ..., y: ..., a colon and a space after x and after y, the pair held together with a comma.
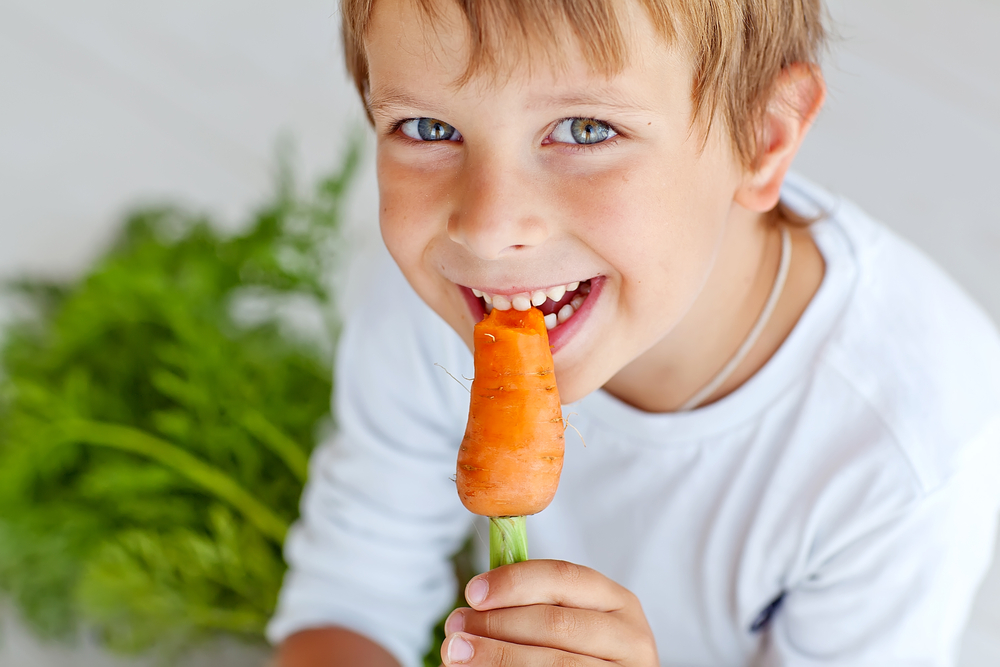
x: 792, y: 430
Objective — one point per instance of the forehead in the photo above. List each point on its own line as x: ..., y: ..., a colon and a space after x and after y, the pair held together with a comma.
x: 491, y: 41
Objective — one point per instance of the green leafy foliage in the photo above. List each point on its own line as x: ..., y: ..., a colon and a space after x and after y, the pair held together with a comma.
x: 464, y: 567
x: 154, y: 437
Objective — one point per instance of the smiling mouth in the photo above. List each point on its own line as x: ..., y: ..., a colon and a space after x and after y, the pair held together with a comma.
x: 558, y: 304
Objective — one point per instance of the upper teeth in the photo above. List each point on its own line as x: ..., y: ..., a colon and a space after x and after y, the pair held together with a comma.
x: 525, y: 300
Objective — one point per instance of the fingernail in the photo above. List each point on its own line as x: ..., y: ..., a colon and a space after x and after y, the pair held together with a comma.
x: 455, y: 623
x: 476, y: 591
x: 459, y: 650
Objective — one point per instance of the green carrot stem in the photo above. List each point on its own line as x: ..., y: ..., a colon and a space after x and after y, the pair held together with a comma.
x: 508, y: 540
x: 278, y: 442
x: 213, y: 480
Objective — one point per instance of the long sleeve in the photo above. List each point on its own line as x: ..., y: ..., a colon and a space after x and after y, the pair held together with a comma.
x: 380, y: 514
x: 899, y: 593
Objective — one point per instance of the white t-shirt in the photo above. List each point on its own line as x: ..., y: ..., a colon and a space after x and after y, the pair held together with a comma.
x: 837, y: 509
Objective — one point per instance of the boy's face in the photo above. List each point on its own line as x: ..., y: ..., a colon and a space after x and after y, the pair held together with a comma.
x: 496, y: 193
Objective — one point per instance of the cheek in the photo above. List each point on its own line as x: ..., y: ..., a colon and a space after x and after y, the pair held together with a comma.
x: 413, y: 205
x: 408, y: 203
x: 650, y: 225
x: 658, y: 231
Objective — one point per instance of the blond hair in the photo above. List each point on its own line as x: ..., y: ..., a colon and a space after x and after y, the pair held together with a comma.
x: 739, y: 47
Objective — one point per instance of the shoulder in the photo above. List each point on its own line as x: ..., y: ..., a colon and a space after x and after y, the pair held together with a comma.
x: 395, y: 350
x: 385, y: 304
x: 387, y: 313
x: 912, y: 348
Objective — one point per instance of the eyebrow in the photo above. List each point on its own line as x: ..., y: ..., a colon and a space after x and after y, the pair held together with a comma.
x: 381, y: 101
x: 608, y: 98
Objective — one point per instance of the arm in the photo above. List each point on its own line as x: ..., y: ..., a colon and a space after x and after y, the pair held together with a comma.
x: 380, y: 515
x: 900, y: 593
x: 331, y: 647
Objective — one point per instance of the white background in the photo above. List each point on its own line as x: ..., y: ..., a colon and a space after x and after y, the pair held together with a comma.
x: 110, y: 103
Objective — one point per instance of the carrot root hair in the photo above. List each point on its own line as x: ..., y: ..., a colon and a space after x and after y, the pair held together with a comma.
x: 566, y: 425
x: 453, y: 377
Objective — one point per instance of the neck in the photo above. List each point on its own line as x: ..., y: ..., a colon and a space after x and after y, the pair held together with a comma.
x: 705, y: 339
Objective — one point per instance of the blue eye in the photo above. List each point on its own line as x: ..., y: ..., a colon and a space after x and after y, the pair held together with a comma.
x: 582, y: 131
x: 429, y: 129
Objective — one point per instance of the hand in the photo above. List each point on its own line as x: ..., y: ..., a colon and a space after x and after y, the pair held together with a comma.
x: 548, y: 613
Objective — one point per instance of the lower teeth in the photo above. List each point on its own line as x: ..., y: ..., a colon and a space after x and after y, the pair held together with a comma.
x: 565, y: 312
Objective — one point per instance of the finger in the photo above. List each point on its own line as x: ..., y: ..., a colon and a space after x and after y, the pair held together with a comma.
x: 553, y: 582
x: 605, y: 635
x: 465, y: 649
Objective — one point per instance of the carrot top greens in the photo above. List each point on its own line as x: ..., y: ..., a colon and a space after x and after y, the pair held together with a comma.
x: 156, y: 417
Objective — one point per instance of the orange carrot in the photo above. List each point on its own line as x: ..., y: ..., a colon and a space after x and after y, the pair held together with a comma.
x: 512, y: 453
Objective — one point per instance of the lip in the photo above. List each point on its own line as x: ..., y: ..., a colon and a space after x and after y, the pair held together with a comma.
x: 514, y: 291
x: 561, y: 335
x: 475, y: 303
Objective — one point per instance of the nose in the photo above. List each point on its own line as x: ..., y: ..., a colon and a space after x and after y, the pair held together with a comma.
x: 497, y: 211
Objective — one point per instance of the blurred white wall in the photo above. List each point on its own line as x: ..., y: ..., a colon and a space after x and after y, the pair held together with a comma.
x: 108, y: 103
x: 911, y: 130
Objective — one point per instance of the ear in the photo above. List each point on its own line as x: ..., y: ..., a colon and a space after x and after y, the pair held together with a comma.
x: 797, y: 97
